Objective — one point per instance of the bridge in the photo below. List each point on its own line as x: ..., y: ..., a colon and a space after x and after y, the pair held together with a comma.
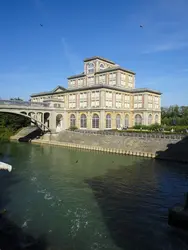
x: 43, y: 115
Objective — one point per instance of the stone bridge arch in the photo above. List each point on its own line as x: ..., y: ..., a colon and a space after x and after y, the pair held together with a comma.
x: 39, y: 124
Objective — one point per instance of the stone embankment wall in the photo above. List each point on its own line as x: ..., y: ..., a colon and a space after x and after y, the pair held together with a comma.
x: 162, y: 147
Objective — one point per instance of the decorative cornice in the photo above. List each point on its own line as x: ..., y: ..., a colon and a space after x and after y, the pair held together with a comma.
x: 114, y: 69
x: 76, y: 76
x: 133, y: 91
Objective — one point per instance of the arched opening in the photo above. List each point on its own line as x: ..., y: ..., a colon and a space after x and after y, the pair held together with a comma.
x: 157, y: 119
x: 101, y: 66
x: 23, y: 112
x: 118, y: 121
x: 126, y: 121
x: 150, y: 119
x: 59, y: 123
x: 90, y: 68
x: 83, y: 121
x: 108, y: 121
x: 138, y: 119
x: 47, y: 119
x: 72, y: 121
x: 95, y: 121
x: 23, y: 119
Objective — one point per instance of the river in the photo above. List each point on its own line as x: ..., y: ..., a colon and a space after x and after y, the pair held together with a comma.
x: 90, y: 200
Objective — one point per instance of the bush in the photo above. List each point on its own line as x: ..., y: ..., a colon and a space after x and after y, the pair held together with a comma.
x: 73, y: 128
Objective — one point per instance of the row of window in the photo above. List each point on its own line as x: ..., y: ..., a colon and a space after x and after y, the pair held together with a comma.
x: 96, y: 95
x: 102, y: 80
x: 95, y: 120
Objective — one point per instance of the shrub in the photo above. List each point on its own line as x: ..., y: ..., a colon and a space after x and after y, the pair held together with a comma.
x: 73, y: 128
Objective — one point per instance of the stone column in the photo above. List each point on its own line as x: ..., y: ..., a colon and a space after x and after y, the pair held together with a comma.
x: 118, y: 78
x: 52, y: 121
x: 145, y: 118
x: 102, y: 120
x: 89, y: 120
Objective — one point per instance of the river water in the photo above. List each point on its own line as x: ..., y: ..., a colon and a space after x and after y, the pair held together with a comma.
x: 89, y: 200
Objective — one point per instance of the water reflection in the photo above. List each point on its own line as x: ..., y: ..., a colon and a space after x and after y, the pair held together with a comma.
x: 89, y: 200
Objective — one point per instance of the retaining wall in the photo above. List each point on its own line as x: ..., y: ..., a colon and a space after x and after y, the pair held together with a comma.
x: 148, y: 146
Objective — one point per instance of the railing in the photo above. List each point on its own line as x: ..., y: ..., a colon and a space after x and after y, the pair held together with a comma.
x: 23, y: 103
x: 158, y: 135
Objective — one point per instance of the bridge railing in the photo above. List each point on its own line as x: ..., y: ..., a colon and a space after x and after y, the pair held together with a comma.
x: 23, y: 103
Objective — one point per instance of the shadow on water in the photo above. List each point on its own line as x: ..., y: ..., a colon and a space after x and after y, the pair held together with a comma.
x: 13, y: 237
x: 134, y: 205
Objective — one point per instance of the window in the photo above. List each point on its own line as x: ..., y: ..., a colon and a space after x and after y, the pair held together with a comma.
x: 102, y: 79
x: 95, y: 103
x: 149, y: 119
x: 130, y: 78
x: 72, y: 83
x: 95, y: 95
x: 150, y: 105
x: 72, y: 101
x: 118, y: 104
x: 127, y: 105
x: 108, y: 104
x: 109, y: 95
x: 72, y: 121
x: 112, y: 78
x: 126, y: 120
x: 90, y: 80
x: 95, y: 99
x: 118, y: 121
x: 156, y: 119
x: 108, y: 121
x: 90, y: 68
x: 127, y: 101
x: 95, y: 121
x: 101, y: 66
x: 123, y: 77
x: 80, y: 82
x: 83, y: 121
x: 150, y: 98
x: 83, y: 104
x: 138, y: 120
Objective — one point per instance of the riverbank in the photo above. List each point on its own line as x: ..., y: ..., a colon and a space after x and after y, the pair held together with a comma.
x: 6, y: 133
x: 171, y: 148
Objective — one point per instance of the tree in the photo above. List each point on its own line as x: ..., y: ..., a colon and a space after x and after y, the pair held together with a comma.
x: 16, y: 99
x: 175, y: 115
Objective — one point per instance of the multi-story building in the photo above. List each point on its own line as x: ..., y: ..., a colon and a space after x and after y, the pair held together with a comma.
x: 103, y: 97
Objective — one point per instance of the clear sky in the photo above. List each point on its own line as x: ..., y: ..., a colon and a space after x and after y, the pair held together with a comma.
x: 35, y: 58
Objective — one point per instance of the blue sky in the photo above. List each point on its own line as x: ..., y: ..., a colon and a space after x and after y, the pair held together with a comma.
x: 35, y: 58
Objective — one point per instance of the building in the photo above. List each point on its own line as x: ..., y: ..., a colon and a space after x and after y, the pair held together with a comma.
x: 103, y: 97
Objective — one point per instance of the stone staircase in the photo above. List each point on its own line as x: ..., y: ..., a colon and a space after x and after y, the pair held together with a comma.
x: 25, y: 132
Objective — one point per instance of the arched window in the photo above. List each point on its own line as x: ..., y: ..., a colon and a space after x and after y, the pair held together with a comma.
x: 83, y: 121
x: 149, y: 119
x: 95, y: 121
x: 126, y: 120
x: 118, y: 121
x: 90, y: 68
x: 138, y: 120
x: 72, y: 121
x: 156, y: 119
x: 108, y: 121
x: 101, y: 66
